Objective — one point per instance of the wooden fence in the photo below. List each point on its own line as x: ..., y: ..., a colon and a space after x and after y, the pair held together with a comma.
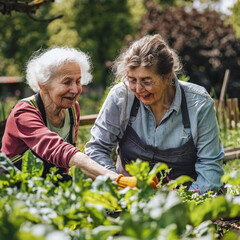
x: 227, y: 110
x: 227, y: 114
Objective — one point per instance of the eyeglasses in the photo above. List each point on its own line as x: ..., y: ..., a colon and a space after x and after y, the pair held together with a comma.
x: 148, y: 85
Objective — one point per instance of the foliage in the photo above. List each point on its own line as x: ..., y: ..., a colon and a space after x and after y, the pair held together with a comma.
x: 229, y: 137
x: 19, y: 38
x: 84, y: 135
x: 236, y: 18
x: 96, y: 27
x: 32, y: 207
x: 90, y: 100
x: 206, y: 45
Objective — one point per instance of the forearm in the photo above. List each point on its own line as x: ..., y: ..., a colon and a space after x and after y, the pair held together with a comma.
x: 91, y: 168
x: 210, y: 151
x: 209, y: 176
x: 100, y: 154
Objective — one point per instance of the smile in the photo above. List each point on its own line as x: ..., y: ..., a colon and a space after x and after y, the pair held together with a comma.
x: 70, y: 98
x: 145, y: 96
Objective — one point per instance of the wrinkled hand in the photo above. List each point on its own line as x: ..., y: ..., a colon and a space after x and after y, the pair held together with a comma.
x: 124, y: 182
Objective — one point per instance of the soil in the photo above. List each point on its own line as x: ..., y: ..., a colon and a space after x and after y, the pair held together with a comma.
x: 229, y: 224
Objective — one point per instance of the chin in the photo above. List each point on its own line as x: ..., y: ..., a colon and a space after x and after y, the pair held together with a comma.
x: 146, y: 101
x: 67, y: 105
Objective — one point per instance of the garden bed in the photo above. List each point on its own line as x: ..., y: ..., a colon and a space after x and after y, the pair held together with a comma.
x: 229, y: 224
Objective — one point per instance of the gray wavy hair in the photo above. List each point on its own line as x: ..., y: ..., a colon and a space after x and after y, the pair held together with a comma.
x: 149, y: 51
x: 43, y: 65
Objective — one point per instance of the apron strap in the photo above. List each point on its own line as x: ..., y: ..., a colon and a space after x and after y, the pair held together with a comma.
x: 72, y: 132
x: 41, y: 107
x: 135, y: 107
x: 185, y: 115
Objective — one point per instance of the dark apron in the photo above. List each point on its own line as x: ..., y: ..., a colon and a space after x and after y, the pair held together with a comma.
x: 181, y: 159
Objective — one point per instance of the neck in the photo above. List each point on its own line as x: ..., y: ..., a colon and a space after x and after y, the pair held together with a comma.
x: 161, y: 107
x: 54, y: 114
x: 166, y: 100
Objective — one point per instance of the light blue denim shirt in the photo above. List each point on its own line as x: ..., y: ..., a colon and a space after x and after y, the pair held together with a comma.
x: 114, y: 116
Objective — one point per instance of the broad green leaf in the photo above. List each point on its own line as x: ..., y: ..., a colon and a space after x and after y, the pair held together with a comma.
x: 103, y: 232
x: 179, y: 181
x: 97, y: 215
x: 230, y: 235
x: 105, y: 199
x: 32, y: 165
x: 139, y: 169
x: 168, y: 233
x: 158, y: 167
x: 105, y: 184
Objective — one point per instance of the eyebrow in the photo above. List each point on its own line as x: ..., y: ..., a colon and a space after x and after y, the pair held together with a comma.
x: 142, y: 79
x: 69, y: 78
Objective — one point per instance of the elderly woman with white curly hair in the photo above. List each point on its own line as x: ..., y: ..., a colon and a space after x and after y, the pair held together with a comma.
x: 47, y: 122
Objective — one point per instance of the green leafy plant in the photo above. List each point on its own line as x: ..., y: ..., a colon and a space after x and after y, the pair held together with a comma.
x: 85, y: 209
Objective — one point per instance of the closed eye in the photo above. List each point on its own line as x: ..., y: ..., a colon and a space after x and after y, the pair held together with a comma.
x: 147, y: 83
x: 132, y: 80
x: 67, y: 82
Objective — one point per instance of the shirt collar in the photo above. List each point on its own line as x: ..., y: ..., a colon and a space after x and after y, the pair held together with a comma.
x: 176, y: 104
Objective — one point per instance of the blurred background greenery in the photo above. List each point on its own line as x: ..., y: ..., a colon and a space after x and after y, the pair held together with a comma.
x: 205, y: 37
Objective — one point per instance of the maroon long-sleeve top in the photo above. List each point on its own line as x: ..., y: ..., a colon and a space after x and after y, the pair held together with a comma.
x: 25, y: 128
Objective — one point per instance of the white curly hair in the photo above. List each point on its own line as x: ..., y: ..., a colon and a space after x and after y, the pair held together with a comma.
x: 43, y: 65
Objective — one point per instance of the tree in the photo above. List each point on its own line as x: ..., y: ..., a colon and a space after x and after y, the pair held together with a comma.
x: 27, y: 7
x: 96, y: 27
x: 206, y: 45
x: 20, y: 36
x: 236, y: 18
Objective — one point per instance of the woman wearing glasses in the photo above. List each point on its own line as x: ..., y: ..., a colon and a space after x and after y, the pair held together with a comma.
x: 153, y: 116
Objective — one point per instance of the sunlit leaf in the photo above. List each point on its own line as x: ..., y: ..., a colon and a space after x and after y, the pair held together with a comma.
x: 32, y: 165
x: 179, y: 181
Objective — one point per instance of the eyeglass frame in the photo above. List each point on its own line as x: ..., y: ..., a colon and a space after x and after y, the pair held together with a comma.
x: 142, y: 82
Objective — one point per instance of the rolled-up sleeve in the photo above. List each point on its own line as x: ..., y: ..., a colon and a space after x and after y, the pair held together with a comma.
x: 210, y: 151
x: 107, y: 130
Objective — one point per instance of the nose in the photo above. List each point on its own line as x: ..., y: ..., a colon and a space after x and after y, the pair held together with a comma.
x: 76, y: 88
x: 138, y: 87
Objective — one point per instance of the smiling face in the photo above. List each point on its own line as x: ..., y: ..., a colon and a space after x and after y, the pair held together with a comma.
x: 64, y: 88
x: 153, y: 95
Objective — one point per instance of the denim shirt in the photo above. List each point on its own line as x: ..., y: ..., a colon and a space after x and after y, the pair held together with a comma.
x: 114, y: 116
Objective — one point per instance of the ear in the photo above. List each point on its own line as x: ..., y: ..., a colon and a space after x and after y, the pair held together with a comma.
x: 169, y: 76
x: 42, y: 87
